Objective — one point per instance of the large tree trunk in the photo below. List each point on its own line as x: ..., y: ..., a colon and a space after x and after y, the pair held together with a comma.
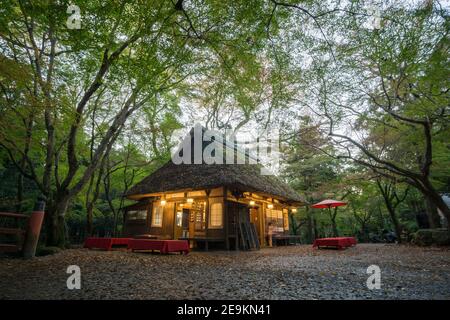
x: 365, y: 233
x: 386, y: 192
x: 395, y: 222
x: 55, y: 221
x: 335, y: 230
x: 316, y: 231
x: 332, y: 216
x: 432, y: 213
x: 333, y: 222
x: 435, y: 200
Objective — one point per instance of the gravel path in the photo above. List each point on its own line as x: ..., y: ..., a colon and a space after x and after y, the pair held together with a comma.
x: 296, y: 272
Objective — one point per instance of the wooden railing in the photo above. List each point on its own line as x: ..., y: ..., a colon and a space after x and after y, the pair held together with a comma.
x: 17, y: 231
x: 26, y: 237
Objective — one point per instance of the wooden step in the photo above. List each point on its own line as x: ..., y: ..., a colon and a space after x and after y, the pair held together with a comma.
x: 12, y: 231
x: 13, y: 215
x: 9, y: 248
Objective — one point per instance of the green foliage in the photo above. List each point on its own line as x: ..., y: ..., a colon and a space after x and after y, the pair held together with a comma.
x: 312, y: 70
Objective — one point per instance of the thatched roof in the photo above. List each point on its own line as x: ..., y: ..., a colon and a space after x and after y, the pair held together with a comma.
x: 245, y: 177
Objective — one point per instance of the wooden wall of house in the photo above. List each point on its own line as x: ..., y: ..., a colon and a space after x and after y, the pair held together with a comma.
x: 218, y: 195
x: 144, y: 226
x: 167, y: 229
x: 138, y: 226
x: 216, y: 232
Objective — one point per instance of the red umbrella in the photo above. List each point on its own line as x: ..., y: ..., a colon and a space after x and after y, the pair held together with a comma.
x: 328, y: 203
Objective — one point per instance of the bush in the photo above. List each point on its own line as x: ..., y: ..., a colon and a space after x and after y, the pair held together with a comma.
x: 441, y: 237
x: 427, y: 237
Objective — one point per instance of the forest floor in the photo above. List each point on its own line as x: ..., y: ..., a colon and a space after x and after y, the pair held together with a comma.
x: 295, y: 272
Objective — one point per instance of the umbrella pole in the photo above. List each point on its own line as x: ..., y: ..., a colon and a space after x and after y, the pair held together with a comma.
x: 329, y: 212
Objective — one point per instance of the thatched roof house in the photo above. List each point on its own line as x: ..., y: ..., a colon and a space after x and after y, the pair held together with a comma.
x: 247, y: 177
x: 209, y: 201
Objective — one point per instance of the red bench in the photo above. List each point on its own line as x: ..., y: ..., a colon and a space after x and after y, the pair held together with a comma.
x: 163, y: 246
x: 338, y: 242
x: 352, y: 241
x: 105, y: 243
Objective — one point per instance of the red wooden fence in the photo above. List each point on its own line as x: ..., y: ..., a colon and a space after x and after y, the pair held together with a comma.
x: 26, y: 238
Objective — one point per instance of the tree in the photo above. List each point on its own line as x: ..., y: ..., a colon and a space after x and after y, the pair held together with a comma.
x: 309, y: 170
x: 392, y: 200
x: 383, y: 93
x: 122, y: 57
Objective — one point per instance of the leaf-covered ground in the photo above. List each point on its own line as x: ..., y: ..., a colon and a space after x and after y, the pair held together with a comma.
x: 296, y: 272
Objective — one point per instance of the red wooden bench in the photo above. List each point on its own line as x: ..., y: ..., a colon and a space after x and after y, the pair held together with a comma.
x: 352, y: 241
x: 337, y: 242
x: 105, y: 243
x: 163, y: 246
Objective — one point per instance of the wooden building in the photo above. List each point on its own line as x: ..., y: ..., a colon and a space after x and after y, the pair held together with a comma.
x: 209, y: 203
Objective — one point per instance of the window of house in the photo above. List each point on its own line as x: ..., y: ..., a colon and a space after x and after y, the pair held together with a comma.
x: 276, y: 218
x: 199, y: 212
x: 215, y: 216
x: 280, y: 224
x: 137, y: 215
x: 179, y: 218
x: 157, y: 216
x: 131, y: 215
x: 141, y: 215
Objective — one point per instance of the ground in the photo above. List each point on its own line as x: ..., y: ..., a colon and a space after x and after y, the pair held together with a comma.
x: 295, y: 272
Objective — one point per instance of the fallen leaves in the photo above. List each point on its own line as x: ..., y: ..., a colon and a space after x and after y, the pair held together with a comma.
x: 295, y: 272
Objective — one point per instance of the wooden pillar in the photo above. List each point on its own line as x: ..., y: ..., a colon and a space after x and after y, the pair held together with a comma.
x: 237, y: 221
x: 225, y: 218
x: 34, y: 230
x: 175, y: 220
x: 261, y: 226
x: 149, y: 216
x: 263, y: 212
x: 208, y: 192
